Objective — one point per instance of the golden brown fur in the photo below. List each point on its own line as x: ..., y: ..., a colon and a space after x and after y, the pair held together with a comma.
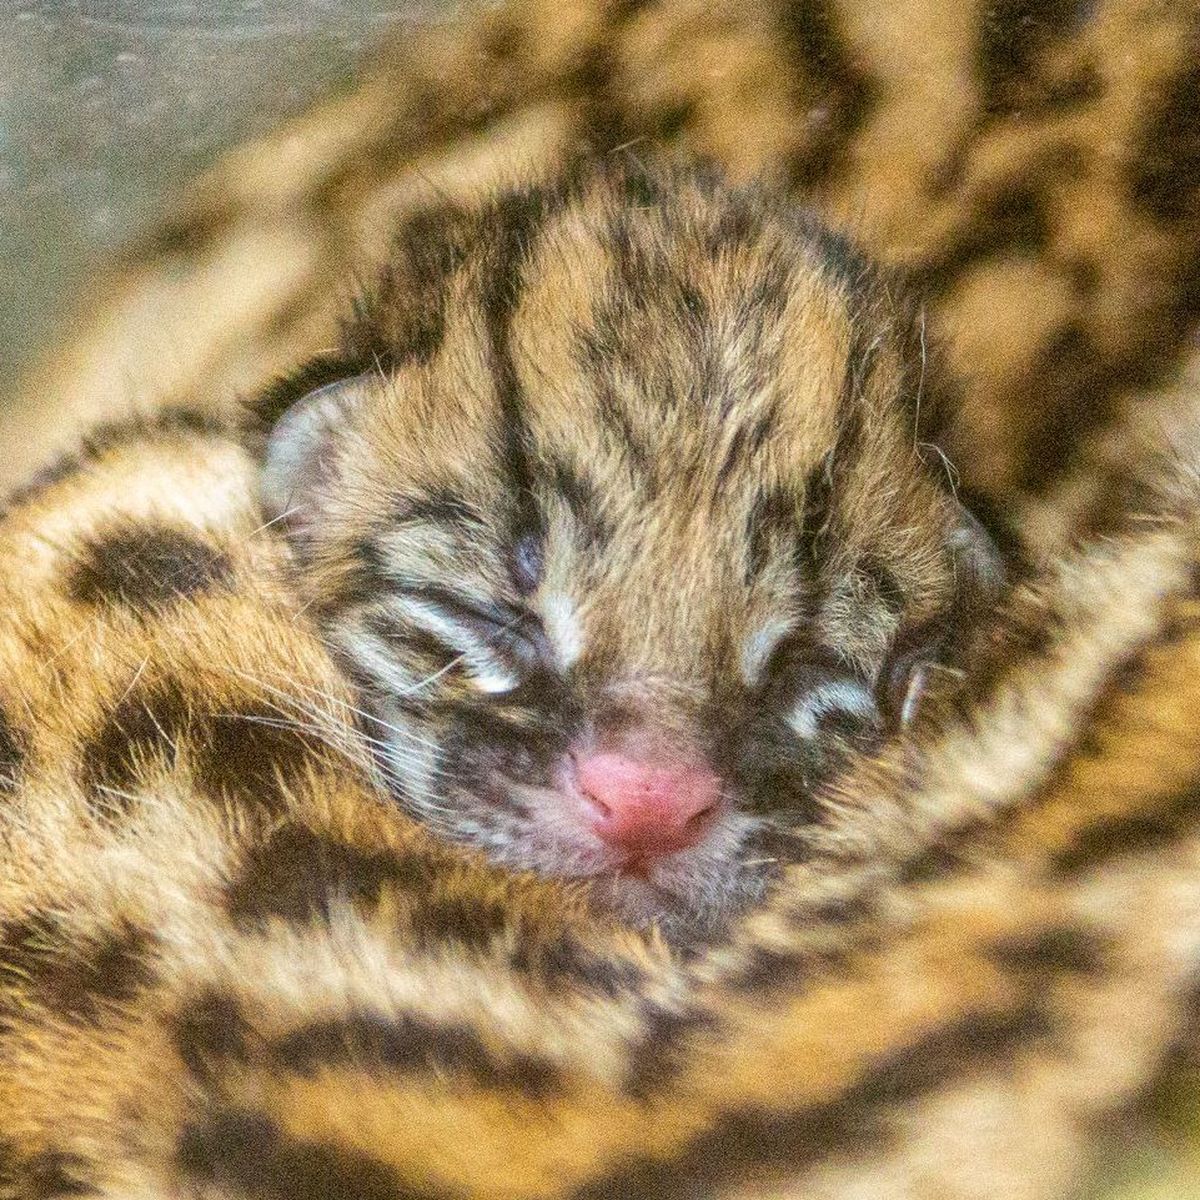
x: 229, y: 970
x: 692, y: 412
x: 1032, y: 162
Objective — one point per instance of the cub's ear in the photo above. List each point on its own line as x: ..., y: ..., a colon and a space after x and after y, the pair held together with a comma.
x: 301, y: 454
x: 978, y: 562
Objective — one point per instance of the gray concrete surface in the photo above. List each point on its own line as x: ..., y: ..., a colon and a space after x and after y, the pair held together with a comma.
x: 107, y: 106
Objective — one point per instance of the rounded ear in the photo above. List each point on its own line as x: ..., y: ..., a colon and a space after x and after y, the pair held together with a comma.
x: 301, y: 453
x: 978, y: 561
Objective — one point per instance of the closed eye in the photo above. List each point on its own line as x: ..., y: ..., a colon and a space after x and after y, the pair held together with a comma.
x: 496, y: 644
x: 819, y: 695
x: 835, y: 707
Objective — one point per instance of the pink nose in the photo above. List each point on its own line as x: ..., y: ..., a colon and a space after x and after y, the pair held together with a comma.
x: 647, y: 808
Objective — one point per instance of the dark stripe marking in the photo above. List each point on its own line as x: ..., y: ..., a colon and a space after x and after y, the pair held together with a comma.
x: 251, y: 754
x: 55, y: 1173
x: 773, y: 521
x: 1134, y: 833
x: 742, y: 1144
x: 411, y: 1044
x: 1165, y: 165
x: 246, y: 1154
x: 1012, y: 36
x: 74, y: 978
x: 565, y: 964
x: 809, y: 28
x: 299, y: 876
x: 167, y: 423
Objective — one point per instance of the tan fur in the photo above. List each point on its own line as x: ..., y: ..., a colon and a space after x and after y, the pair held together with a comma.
x: 1030, y: 163
x: 228, y: 968
x: 168, y: 972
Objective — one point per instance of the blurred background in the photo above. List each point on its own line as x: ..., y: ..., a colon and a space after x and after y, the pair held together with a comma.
x: 107, y: 106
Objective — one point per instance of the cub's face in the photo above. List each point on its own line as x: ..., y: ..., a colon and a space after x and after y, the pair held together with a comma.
x: 614, y: 509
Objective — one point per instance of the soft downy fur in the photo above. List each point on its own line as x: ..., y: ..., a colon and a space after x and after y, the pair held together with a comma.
x: 231, y: 968
x: 565, y: 396
x: 228, y: 970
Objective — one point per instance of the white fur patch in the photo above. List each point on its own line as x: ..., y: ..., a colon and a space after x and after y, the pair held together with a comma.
x: 759, y: 646
x: 837, y: 695
x: 563, y: 627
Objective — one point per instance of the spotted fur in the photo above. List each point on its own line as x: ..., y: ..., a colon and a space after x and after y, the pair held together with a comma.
x: 228, y: 968
x: 1033, y: 164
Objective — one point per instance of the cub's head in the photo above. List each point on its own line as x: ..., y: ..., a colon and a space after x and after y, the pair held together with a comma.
x: 613, y: 506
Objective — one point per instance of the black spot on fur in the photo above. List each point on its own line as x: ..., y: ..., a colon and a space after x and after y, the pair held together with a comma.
x: 1014, y: 221
x: 251, y: 754
x: 660, y: 1047
x: 1061, y: 950
x: 1134, y: 833
x: 1012, y: 35
x: 248, y: 753
x: 884, y: 582
x: 75, y: 979
x: 1082, y: 87
x: 474, y: 922
x: 847, y: 93
x: 1166, y: 162
x: 744, y: 446
x: 934, y: 863
x: 12, y: 755
x: 55, y: 1173
x: 818, y: 514
x: 145, y: 725
x: 146, y: 566
x: 565, y: 964
x: 374, y: 1043
x: 298, y: 875
x: 210, y: 1030
x: 582, y: 500
x: 606, y: 118
x: 188, y: 236
x: 1071, y: 389
x: 246, y: 1154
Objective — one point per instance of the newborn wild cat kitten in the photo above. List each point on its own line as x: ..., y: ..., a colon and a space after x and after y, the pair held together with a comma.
x: 612, y: 505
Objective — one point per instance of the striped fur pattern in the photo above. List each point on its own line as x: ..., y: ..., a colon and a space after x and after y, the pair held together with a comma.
x: 229, y: 968
x: 1032, y: 162
x: 561, y: 398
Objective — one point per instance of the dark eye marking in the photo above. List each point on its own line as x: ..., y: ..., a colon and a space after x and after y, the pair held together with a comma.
x: 403, y: 635
x: 441, y: 507
x: 458, y: 604
x: 582, y: 500
x: 527, y: 562
x: 503, y: 628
